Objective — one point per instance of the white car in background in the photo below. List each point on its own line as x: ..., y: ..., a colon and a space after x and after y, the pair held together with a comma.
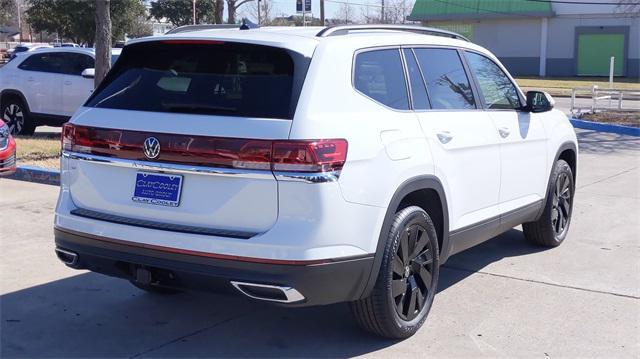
x: 27, y: 47
x: 45, y: 86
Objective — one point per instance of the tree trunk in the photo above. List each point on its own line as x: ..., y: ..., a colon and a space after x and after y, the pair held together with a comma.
x: 219, y: 11
x: 231, y: 11
x: 103, y: 40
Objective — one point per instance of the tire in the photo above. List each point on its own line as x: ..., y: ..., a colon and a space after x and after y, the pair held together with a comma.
x: 552, y: 227
x: 16, y: 115
x: 407, y: 281
x: 155, y: 289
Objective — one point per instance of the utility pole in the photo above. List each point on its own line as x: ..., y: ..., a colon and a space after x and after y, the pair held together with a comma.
x: 258, y: 12
x: 404, y: 10
x: 304, y: 12
x: 19, y: 6
x: 321, y: 12
x: 194, y: 12
x: 382, y: 13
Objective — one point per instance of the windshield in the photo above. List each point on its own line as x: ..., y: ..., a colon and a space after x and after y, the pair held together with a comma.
x: 203, y: 77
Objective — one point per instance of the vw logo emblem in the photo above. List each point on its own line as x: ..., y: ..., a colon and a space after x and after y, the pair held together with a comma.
x: 151, y: 148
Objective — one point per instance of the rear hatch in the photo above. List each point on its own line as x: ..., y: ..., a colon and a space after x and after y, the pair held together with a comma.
x: 180, y: 133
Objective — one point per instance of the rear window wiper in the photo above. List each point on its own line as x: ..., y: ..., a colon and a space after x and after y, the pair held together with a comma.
x: 118, y: 93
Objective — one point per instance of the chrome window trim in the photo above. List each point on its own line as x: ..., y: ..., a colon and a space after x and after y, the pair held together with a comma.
x: 169, y: 167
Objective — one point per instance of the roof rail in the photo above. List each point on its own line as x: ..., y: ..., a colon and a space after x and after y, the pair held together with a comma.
x: 345, y: 29
x: 199, y: 27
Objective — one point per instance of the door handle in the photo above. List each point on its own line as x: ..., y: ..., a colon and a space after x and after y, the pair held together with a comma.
x: 444, y: 137
x: 67, y: 82
x: 30, y: 79
x: 504, y: 132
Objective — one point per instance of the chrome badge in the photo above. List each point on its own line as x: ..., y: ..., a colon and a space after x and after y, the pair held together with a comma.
x: 151, y: 147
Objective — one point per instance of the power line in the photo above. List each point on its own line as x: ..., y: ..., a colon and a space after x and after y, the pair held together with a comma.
x: 586, y: 2
x: 352, y: 3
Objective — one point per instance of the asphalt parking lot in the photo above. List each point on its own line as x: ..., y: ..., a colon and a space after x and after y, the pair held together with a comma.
x: 502, y: 298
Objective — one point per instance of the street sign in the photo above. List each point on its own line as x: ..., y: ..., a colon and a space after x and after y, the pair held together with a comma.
x: 299, y: 6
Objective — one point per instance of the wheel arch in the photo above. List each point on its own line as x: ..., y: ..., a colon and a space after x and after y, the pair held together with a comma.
x: 423, y: 191
x: 567, y: 151
x: 5, y: 94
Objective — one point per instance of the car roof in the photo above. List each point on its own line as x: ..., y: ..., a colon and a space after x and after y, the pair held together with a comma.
x: 304, y: 40
x: 82, y: 50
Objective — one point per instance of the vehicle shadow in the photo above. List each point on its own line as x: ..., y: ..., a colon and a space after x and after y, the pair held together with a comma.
x: 594, y: 142
x: 89, y: 315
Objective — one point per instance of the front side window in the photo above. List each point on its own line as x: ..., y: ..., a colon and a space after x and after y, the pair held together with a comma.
x: 76, y: 63
x: 48, y: 62
x: 447, y: 82
x: 212, y: 78
x: 497, y: 90
x: 379, y: 75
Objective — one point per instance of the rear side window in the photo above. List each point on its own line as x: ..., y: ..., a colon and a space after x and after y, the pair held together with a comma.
x: 48, y: 62
x: 497, y: 90
x: 447, y: 82
x: 378, y: 74
x: 204, y: 77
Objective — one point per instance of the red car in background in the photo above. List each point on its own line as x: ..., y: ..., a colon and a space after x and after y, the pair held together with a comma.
x: 7, y: 151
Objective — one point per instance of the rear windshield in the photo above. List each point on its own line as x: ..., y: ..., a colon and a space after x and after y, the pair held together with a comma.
x: 214, y: 78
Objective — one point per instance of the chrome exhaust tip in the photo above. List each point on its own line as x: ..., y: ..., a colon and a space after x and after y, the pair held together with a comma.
x: 67, y: 257
x: 268, y: 292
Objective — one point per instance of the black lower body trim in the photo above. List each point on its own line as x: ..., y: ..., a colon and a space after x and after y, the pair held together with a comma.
x: 475, y: 234
x: 320, y: 284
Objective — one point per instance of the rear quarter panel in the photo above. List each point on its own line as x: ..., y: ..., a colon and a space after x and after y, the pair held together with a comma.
x: 386, y: 147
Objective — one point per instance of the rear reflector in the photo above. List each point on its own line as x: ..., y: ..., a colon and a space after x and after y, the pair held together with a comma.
x: 281, y: 155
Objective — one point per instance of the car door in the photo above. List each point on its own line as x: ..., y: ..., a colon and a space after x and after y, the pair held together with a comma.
x: 523, y: 149
x: 42, y: 82
x: 464, y: 144
x: 76, y: 89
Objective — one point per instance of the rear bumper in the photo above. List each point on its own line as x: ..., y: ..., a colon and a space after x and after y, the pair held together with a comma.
x: 320, y: 283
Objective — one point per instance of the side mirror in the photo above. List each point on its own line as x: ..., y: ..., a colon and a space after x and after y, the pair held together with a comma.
x: 539, y: 101
x: 88, y: 73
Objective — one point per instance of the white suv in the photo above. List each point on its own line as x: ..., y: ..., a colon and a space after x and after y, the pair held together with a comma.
x: 309, y: 166
x: 45, y: 86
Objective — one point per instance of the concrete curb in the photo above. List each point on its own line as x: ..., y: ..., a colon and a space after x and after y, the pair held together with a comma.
x: 37, y: 175
x: 605, y: 127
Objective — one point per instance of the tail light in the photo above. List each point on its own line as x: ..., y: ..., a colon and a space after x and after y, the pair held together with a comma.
x: 309, y: 156
x: 281, y: 155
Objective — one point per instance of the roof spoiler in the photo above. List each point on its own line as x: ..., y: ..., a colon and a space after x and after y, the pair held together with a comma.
x: 200, y: 27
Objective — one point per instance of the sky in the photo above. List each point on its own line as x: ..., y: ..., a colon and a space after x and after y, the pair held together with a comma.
x: 288, y: 7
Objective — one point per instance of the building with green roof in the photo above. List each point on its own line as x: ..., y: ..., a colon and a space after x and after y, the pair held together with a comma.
x: 535, y: 37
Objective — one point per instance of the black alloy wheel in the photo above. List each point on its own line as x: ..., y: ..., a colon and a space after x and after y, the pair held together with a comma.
x: 13, y: 116
x: 412, y: 272
x: 561, y: 207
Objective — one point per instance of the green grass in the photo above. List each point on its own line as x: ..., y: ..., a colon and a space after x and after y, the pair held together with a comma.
x: 562, y: 86
x: 40, y: 150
